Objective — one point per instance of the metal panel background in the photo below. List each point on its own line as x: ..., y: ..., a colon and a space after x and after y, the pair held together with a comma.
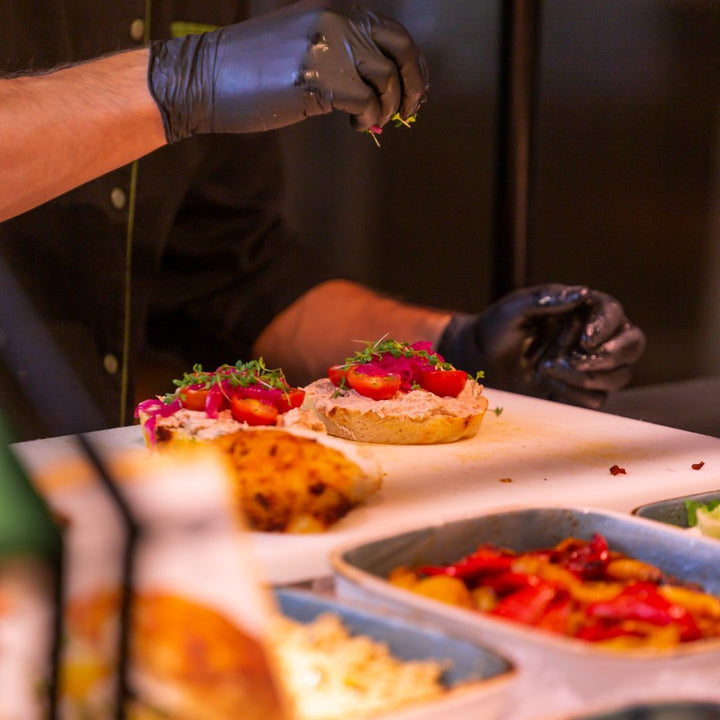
x: 624, y: 194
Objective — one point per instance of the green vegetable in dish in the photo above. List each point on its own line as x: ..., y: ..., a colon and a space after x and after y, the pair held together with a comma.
x: 705, y: 515
x: 692, y: 507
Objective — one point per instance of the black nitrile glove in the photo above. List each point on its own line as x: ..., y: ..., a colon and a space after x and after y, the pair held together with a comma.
x: 306, y: 59
x: 561, y: 342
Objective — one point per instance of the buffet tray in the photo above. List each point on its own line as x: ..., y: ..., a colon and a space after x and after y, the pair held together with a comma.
x: 362, y: 570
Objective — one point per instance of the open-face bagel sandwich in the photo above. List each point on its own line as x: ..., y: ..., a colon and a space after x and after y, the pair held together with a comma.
x: 398, y: 393
x: 292, y: 479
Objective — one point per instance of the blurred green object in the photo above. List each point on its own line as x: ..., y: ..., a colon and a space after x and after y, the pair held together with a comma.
x: 26, y: 526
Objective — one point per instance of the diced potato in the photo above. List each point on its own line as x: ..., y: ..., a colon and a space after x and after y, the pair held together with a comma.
x: 403, y: 577
x: 484, y: 598
x: 446, y: 589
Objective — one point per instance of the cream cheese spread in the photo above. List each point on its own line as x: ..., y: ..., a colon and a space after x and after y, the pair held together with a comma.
x: 197, y: 424
x: 414, y: 404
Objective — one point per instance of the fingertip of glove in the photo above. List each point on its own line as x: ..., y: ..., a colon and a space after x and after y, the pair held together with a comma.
x: 554, y: 367
x: 577, y: 293
x: 412, y: 104
x: 556, y: 295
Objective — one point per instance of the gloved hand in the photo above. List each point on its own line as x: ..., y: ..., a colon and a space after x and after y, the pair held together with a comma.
x: 561, y: 342
x: 306, y: 59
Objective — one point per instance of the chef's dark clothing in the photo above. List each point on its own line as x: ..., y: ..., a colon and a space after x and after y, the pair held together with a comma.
x: 211, y: 259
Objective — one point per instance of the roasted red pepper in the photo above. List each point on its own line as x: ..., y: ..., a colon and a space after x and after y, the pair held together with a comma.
x: 601, y: 630
x: 508, y: 581
x: 642, y: 601
x: 587, y: 560
x: 557, y: 616
x: 527, y: 605
x: 484, y: 560
x: 553, y: 589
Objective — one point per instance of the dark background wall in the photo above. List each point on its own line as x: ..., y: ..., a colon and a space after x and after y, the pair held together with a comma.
x: 626, y: 188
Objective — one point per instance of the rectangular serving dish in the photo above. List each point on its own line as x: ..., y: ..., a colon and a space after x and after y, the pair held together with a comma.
x: 673, y: 511
x: 678, y: 710
x: 361, y: 571
x: 478, y: 679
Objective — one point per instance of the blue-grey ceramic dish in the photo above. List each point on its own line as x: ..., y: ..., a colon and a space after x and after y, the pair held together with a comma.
x: 361, y: 571
x: 673, y: 511
x: 687, y: 710
x: 477, y: 678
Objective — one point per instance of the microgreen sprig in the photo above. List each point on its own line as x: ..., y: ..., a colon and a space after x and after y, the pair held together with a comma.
x: 253, y: 372
x: 397, y: 120
x: 386, y: 345
x: 400, y: 121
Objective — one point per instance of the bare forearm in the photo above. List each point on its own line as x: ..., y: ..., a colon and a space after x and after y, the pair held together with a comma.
x: 329, y: 323
x: 61, y: 129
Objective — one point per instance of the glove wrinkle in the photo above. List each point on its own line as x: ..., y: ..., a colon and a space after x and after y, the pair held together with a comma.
x: 305, y: 59
x: 158, y: 84
x: 183, y: 99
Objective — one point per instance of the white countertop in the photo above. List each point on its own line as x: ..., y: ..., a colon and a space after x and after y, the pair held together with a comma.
x: 533, y: 451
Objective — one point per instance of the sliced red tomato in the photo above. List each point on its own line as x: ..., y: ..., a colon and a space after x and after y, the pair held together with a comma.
x: 253, y: 411
x: 443, y: 382
x: 293, y: 398
x: 336, y: 374
x: 376, y: 387
x: 193, y: 397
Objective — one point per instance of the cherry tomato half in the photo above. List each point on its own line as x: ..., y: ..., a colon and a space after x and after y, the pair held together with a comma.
x: 336, y: 374
x: 193, y: 397
x: 443, y: 382
x: 292, y: 398
x: 253, y: 411
x: 376, y: 387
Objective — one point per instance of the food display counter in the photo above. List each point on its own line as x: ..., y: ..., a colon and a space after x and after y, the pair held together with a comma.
x: 528, y: 452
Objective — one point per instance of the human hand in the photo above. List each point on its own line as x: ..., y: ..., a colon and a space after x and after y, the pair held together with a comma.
x: 561, y: 342
x: 306, y: 59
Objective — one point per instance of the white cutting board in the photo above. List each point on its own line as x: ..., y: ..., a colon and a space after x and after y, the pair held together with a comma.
x: 532, y: 451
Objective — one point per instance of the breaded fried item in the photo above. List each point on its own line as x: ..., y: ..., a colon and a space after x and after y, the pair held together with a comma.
x: 199, y: 661
x: 285, y: 482
x: 188, y: 660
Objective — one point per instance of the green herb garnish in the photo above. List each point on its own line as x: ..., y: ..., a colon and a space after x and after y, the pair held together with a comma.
x: 397, y: 120
x: 400, y: 122
x: 692, y: 506
x: 388, y: 346
x: 240, y: 374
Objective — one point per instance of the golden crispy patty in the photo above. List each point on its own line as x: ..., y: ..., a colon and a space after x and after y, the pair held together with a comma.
x: 292, y: 483
x: 188, y: 660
